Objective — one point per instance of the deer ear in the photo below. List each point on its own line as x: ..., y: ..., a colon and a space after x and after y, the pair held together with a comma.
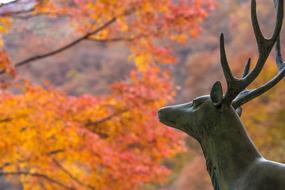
x: 217, y: 93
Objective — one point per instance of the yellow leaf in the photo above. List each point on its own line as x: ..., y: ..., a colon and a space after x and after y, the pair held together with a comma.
x: 142, y: 61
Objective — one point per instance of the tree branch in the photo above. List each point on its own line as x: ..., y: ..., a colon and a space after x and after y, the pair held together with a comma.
x: 17, y: 7
x: 5, y: 120
x: 92, y: 124
x: 9, y: 3
x: 23, y: 16
x: 105, y: 119
x: 72, y: 176
x: 51, y: 180
x: 65, y: 47
x: 6, y: 164
x: 118, y: 39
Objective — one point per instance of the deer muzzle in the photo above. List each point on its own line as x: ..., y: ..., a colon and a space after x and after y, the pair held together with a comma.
x: 167, y: 116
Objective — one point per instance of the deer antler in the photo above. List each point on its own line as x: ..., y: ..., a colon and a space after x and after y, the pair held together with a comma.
x: 236, y: 93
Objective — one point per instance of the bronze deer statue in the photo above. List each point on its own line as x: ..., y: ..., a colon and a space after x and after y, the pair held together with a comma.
x: 232, y: 160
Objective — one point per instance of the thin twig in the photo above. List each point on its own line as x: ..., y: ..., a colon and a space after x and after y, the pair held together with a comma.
x: 119, y: 39
x: 15, y: 13
x: 72, y: 176
x: 5, y: 120
x: 9, y: 3
x: 115, y: 114
x: 61, y: 49
x: 105, y: 119
x: 39, y: 176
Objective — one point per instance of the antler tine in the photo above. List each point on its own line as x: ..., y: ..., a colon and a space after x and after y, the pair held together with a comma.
x: 245, y: 73
x: 264, y: 45
x: 248, y: 95
x: 232, y: 83
x: 225, y: 65
x: 279, y: 58
x: 237, y: 94
x: 279, y: 16
x: 256, y: 28
x: 246, y: 68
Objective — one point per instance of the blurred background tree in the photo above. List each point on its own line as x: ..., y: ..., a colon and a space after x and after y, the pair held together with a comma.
x: 52, y: 139
x: 83, y: 80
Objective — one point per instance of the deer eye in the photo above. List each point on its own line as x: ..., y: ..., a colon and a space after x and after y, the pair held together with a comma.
x: 197, y: 103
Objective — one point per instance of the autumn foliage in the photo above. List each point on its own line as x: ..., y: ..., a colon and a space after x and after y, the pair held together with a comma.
x: 50, y: 140
x: 97, y: 141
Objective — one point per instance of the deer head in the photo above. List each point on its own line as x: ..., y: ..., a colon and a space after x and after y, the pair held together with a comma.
x: 194, y: 117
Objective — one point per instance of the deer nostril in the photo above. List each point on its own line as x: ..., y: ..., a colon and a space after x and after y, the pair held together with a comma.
x: 165, y: 117
x: 162, y: 114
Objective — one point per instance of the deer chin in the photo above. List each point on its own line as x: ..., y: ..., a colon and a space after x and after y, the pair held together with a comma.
x: 168, y: 123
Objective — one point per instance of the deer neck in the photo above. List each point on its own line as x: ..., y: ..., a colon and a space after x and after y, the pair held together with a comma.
x: 228, y: 150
